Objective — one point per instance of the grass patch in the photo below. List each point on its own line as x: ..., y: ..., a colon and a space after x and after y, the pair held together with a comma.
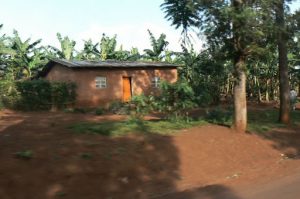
x: 261, y: 121
x: 117, y: 128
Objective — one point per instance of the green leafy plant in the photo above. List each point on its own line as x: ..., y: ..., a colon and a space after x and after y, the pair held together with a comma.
x: 99, y: 111
x: 117, y: 107
x: 220, y: 116
x: 80, y: 110
x: 139, y: 106
x: 27, y: 154
x: 31, y: 95
x: 175, y: 99
x: 86, y: 156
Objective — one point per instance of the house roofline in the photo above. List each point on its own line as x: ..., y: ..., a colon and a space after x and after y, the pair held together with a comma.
x: 109, y: 64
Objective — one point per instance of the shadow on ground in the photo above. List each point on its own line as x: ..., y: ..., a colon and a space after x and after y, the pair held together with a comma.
x: 286, y: 140
x: 81, y: 166
x: 207, y: 192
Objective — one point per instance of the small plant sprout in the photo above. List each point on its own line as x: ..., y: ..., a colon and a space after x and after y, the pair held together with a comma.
x: 27, y: 154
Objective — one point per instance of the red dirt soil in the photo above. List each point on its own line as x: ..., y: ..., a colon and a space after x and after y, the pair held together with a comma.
x: 134, y: 166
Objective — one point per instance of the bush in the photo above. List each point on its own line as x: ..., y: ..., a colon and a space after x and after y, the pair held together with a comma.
x: 63, y: 94
x: 219, y: 116
x: 9, y: 96
x: 99, y: 111
x: 117, y: 107
x: 175, y: 99
x: 36, y: 94
x: 140, y: 106
x: 80, y: 110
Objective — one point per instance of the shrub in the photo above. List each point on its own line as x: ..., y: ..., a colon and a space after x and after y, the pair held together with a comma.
x: 139, y: 106
x: 80, y: 110
x: 117, y: 107
x: 9, y: 96
x: 36, y: 94
x: 99, y: 111
x: 27, y: 154
x: 219, y: 116
x: 175, y: 99
x: 63, y: 94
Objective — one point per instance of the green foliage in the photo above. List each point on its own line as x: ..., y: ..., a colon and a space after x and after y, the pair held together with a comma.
x: 107, y: 47
x: 220, y: 116
x: 36, y: 94
x: 183, y: 14
x: 60, y: 194
x: 26, y: 155
x: 117, y: 107
x: 62, y: 94
x: 175, y: 99
x: 67, y: 47
x: 89, y: 52
x: 80, y: 110
x: 158, y: 47
x: 86, y: 156
x: 139, y: 106
x: 119, y: 128
x: 99, y: 111
x: 9, y: 95
x: 205, y: 72
x: 26, y: 57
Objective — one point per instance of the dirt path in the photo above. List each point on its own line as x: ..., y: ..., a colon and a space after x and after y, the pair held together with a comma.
x: 280, y: 188
x: 208, y: 159
x: 287, y: 188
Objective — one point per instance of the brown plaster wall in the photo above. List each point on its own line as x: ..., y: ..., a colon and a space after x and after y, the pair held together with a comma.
x: 90, y: 96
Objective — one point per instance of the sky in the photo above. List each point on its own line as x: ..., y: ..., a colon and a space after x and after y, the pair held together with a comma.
x: 89, y: 19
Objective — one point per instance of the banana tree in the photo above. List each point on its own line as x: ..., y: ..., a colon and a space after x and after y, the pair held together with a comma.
x: 67, y: 48
x: 90, y: 51
x: 27, y: 57
x: 158, y: 47
x: 108, y: 47
x: 5, y: 53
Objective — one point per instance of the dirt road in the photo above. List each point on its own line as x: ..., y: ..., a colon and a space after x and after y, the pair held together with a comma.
x: 283, y: 188
x: 206, y: 162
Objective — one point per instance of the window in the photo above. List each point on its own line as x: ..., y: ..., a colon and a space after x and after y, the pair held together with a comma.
x: 101, y: 82
x: 155, y: 82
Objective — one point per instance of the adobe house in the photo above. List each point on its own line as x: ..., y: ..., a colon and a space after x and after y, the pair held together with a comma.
x: 101, y: 82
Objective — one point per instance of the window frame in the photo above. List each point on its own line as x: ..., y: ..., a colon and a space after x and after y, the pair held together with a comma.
x: 100, y: 82
x: 155, y: 82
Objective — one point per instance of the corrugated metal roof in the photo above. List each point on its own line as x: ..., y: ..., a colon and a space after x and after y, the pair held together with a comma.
x: 110, y: 64
x: 74, y: 64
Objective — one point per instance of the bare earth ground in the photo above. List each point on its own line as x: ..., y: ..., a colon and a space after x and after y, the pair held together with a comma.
x: 206, y: 159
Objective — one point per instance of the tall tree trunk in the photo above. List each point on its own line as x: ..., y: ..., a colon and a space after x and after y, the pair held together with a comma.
x: 257, y: 85
x: 267, y: 90
x: 284, y: 87
x: 240, y: 101
x: 272, y: 91
x: 298, y: 88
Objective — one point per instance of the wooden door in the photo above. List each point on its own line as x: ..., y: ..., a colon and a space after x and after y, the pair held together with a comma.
x: 126, y: 89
